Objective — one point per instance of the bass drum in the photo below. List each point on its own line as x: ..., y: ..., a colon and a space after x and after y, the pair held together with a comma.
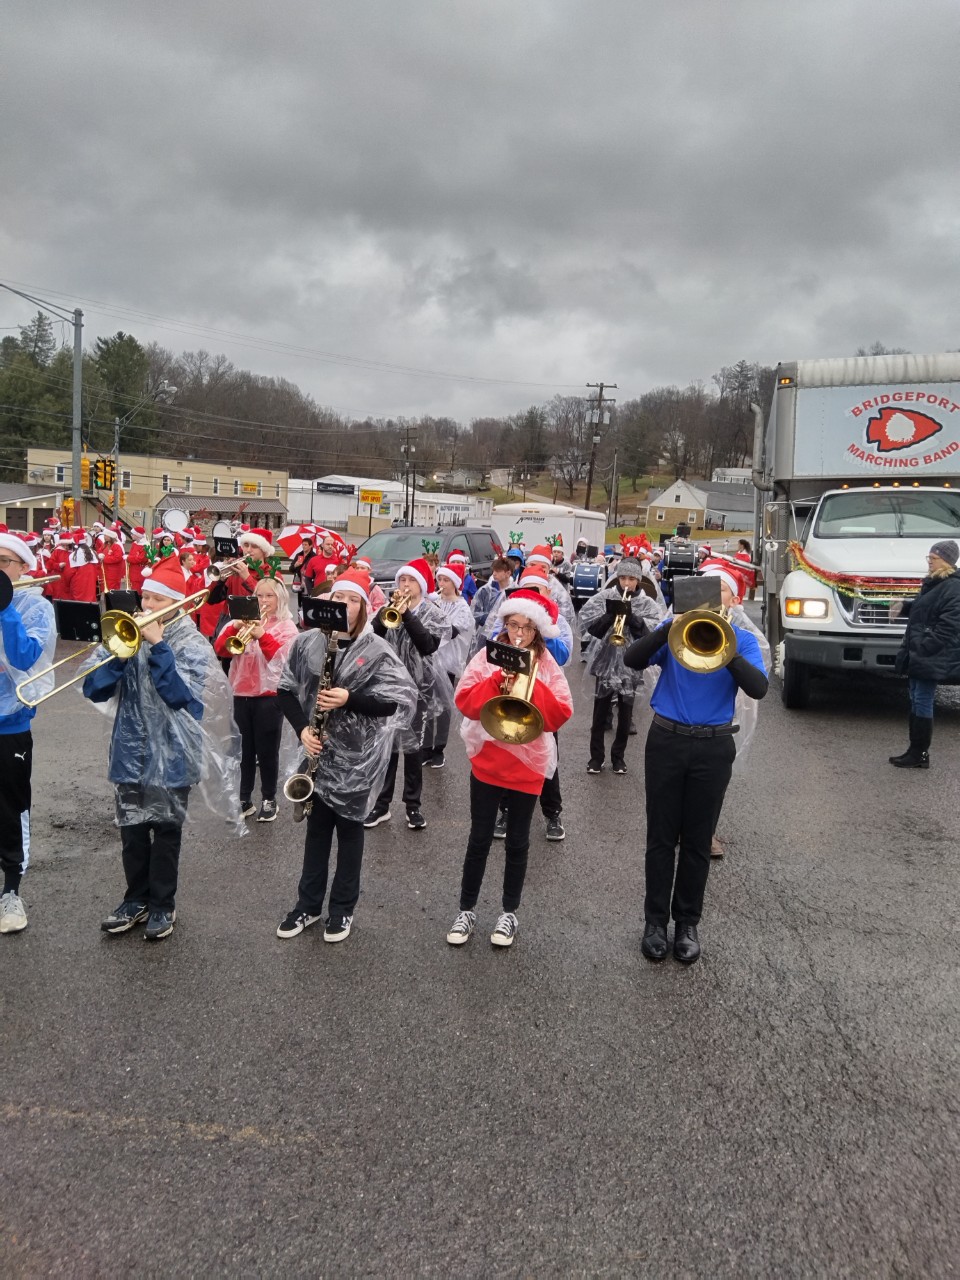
x: 175, y: 521
x: 223, y: 529
x: 587, y: 581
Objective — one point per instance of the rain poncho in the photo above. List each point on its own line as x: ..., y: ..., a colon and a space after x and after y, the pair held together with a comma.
x: 28, y: 640
x: 257, y: 670
x: 453, y: 654
x: 521, y: 768
x: 434, y: 693
x: 560, y: 647
x: 173, y: 728
x: 561, y: 598
x: 605, y: 660
x: 353, y: 763
x: 746, y: 710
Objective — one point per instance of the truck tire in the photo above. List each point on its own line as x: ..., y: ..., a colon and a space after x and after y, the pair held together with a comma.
x: 795, y: 686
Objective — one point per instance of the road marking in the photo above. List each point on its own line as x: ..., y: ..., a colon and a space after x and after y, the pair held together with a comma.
x: 105, y: 1122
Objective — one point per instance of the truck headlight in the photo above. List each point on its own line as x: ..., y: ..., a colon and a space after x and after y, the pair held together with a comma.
x: 796, y: 607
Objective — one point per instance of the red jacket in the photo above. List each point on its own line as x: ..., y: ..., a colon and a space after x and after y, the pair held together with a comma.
x: 136, y: 559
x: 113, y: 563
x: 80, y: 582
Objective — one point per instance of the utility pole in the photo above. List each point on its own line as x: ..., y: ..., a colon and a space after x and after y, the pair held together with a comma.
x: 77, y: 414
x: 614, y: 483
x: 601, y: 401
x: 408, y: 498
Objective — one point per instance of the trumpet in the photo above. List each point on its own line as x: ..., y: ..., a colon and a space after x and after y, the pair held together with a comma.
x: 702, y: 639
x: 219, y: 571
x: 617, y: 636
x: 237, y: 643
x: 512, y: 717
x: 390, y: 615
x: 121, y: 634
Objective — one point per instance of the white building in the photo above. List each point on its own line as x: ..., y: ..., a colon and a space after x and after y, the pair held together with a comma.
x: 731, y: 475
x: 335, y: 500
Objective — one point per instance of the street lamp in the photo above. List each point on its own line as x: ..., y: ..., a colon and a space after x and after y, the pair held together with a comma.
x: 163, y: 391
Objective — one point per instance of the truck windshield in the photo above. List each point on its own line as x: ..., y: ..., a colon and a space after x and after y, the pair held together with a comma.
x: 867, y: 513
x: 394, y: 544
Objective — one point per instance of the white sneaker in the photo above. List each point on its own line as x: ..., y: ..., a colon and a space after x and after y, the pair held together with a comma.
x: 462, y: 928
x: 13, y: 918
x: 337, y: 928
x: 506, y: 930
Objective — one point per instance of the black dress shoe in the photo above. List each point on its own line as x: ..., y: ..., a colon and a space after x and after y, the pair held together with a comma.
x: 686, y: 944
x: 654, y: 944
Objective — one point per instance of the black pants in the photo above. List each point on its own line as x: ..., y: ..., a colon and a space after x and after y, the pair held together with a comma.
x: 260, y: 722
x: 16, y: 765
x: 412, y: 780
x: 345, y: 890
x: 485, y: 800
x: 685, y: 781
x: 602, y: 709
x: 152, y: 866
x: 551, y: 802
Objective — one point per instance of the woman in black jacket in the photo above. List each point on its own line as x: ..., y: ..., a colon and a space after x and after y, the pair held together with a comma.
x: 930, y: 652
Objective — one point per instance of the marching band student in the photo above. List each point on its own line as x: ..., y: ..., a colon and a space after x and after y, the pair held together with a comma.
x: 196, y: 581
x: 377, y: 598
x: 201, y: 550
x: 165, y: 694
x: 254, y: 676
x: 415, y: 641
x: 81, y: 577
x: 543, y: 556
x: 469, y: 587
x: 113, y: 560
x: 614, y: 681
x: 452, y: 655
x: 491, y: 593
x: 28, y: 638
x: 370, y: 698
x: 137, y: 558
x: 505, y: 772
x: 689, y: 758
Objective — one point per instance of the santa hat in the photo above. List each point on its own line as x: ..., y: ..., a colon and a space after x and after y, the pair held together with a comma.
x: 453, y: 571
x: 457, y: 556
x: 421, y: 571
x: 541, y: 555
x: 51, y: 523
x: 64, y: 536
x: 159, y: 533
x: 10, y: 542
x: 187, y: 550
x: 725, y: 572
x: 354, y: 580
x: 538, y: 609
x: 533, y: 578
x: 31, y: 539
x: 362, y: 562
x: 111, y: 533
x: 260, y: 538
x: 96, y: 524
x: 139, y: 533
x: 165, y: 579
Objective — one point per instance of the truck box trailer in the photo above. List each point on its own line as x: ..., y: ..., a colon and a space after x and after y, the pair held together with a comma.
x: 538, y: 520
x: 857, y: 473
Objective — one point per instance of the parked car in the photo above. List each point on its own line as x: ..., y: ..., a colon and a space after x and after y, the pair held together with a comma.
x: 390, y: 549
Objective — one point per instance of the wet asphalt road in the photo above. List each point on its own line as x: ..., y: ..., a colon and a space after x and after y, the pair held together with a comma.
x: 226, y: 1103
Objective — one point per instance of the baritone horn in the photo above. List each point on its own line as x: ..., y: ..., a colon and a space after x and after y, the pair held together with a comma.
x: 512, y: 717
x: 390, y: 615
x: 702, y: 640
x: 121, y: 634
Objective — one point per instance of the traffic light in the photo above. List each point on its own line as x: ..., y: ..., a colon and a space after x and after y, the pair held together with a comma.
x: 109, y: 473
x: 66, y: 511
x: 84, y: 473
x: 98, y: 480
x: 123, y: 497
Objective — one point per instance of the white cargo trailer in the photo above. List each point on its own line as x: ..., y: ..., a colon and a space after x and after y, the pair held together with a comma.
x: 537, y: 521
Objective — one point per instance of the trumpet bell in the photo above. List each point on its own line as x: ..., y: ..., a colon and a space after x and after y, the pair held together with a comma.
x: 391, y: 618
x: 512, y: 720
x: 702, y: 640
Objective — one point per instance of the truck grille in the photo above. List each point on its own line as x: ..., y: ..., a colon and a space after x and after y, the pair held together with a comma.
x: 874, y: 611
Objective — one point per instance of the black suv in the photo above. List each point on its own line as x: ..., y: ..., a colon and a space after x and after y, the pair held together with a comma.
x: 390, y: 549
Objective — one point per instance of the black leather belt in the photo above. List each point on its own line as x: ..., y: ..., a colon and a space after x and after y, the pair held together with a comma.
x: 696, y: 730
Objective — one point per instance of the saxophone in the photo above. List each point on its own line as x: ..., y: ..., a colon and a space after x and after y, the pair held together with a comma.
x: 299, y: 786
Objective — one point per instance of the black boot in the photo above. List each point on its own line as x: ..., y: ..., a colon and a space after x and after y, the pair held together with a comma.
x: 915, y: 756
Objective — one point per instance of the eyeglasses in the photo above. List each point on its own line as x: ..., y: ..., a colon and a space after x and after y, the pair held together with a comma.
x: 10, y: 560
x: 521, y: 629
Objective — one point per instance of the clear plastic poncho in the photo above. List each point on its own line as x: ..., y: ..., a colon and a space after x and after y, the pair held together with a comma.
x: 605, y: 660
x: 746, y: 710
x: 39, y: 622
x: 540, y: 755
x: 353, y: 763
x: 434, y: 691
x: 453, y: 654
x: 157, y: 750
x: 251, y: 674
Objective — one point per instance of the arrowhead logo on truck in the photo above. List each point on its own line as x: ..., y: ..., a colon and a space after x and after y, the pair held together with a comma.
x: 895, y: 429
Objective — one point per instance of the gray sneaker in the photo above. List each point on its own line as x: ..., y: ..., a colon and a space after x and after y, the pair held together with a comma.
x: 160, y: 925
x: 462, y: 928
x: 500, y: 828
x: 13, y: 917
x: 505, y: 930
x: 555, y: 829
x: 268, y: 811
x: 125, y: 917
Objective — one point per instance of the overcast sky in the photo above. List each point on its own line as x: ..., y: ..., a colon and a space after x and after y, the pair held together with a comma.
x: 528, y: 194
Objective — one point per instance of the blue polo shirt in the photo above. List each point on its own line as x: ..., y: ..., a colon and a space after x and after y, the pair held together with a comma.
x: 700, y: 697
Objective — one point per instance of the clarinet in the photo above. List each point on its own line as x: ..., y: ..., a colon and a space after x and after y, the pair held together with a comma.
x: 299, y: 787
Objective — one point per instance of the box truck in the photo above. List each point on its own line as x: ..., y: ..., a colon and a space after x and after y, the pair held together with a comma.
x: 538, y: 520
x: 856, y: 471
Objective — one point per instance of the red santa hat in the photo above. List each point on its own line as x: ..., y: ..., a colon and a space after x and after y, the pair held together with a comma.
x: 421, y: 571
x: 540, y: 610
x: 454, y: 571
x: 534, y: 578
x: 111, y: 533
x: 260, y: 538
x: 165, y: 578
x: 64, y: 536
x: 457, y: 556
x: 159, y: 533
x: 139, y: 533
x: 725, y: 571
x: 362, y: 562
x: 541, y: 554
x: 354, y: 580
x: 12, y: 542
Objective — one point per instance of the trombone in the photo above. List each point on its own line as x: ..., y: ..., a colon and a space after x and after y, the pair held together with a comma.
x: 702, y: 639
x: 21, y: 583
x: 121, y: 634
x: 390, y: 615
